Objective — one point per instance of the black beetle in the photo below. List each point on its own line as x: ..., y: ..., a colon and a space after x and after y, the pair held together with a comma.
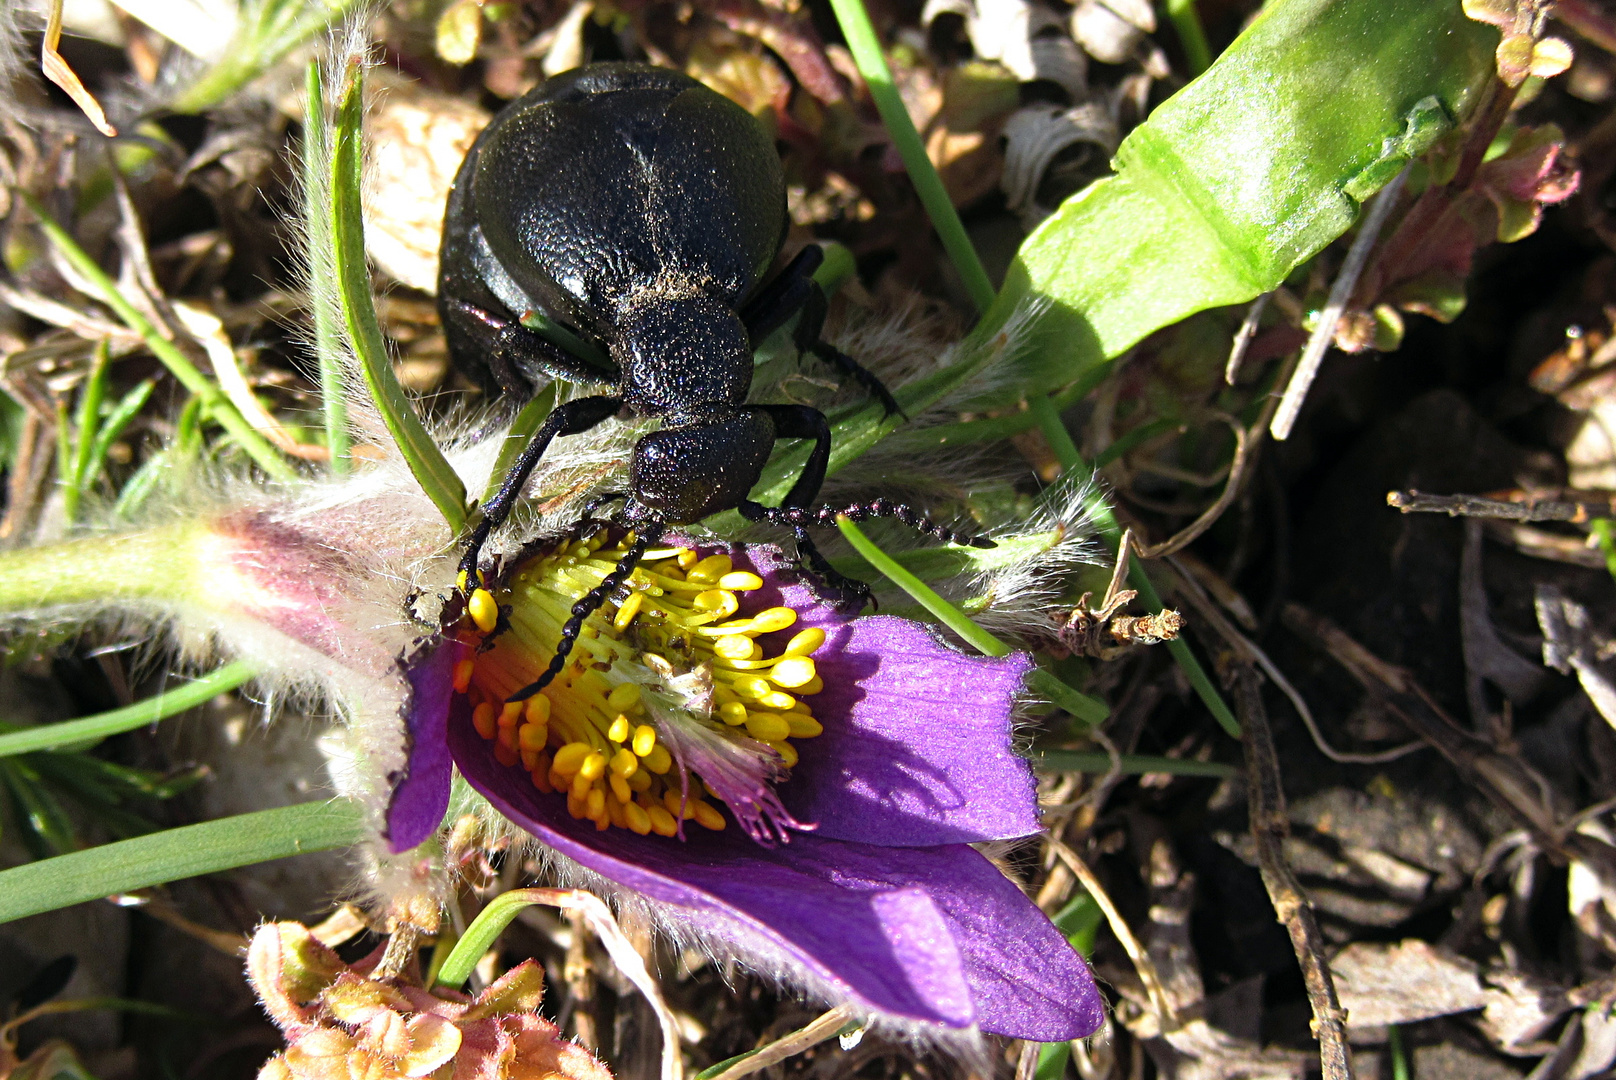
x: 642, y: 211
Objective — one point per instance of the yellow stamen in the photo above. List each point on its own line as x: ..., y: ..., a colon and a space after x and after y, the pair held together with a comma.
x: 644, y: 739
x: 707, y: 816
x: 510, y: 713
x: 793, y: 671
x: 803, y: 726
x: 625, y: 696
x: 659, y: 760
x: 570, y: 758
x: 767, y: 727
x: 804, y: 642
x: 711, y: 568
x: 594, y: 766
x: 532, y: 737
x: 538, y: 709
x: 619, y: 730
x: 624, y: 763
x: 638, y: 820
x: 732, y: 713
x: 462, y: 675
x: 740, y: 581
x: 787, y: 752
x: 482, y: 718
x: 483, y: 610
x: 620, y: 788
x: 662, y: 822
x: 736, y: 647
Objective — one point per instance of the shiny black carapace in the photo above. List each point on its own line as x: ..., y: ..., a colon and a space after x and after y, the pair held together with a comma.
x: 643, y: 211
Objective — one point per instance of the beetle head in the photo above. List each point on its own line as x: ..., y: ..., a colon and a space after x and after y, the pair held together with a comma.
x: 680, y: 475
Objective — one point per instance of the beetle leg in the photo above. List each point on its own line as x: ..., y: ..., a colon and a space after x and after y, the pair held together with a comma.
x: 807, y: 337
x: 575, y: 416
x: 512, y: 349
x: 783, y: 297
x: 646, y: 533
x: 825, y: 517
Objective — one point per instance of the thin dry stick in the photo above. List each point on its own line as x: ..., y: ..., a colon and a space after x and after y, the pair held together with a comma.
x: 1528, y: 508
x: 1270, y: 828
x: 1340, y: 293
x: 1248, y: 652
x: 1245, y: 442
x: 824, y: 1027
x: 580, y: 976
x: 1119, y: 926
x: 1242, y: 338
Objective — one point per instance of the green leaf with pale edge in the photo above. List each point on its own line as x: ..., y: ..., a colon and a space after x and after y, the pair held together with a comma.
x: 1243, y: 174
x: 177, y: 853
x: 432, y: 471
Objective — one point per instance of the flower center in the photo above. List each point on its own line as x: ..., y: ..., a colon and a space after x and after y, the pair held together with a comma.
x: 667, y: 698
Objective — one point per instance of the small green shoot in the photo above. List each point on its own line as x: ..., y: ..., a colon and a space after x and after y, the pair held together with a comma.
x: 328, y: 349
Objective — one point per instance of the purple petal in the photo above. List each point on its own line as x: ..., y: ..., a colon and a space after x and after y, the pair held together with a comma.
x: 421, y: 794
x: 933, y: 934
x: 916, y: 748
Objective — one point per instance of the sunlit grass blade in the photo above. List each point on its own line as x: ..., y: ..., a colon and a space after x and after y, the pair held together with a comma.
x: 942, y: 563
x: 1191, y: 36
x: 872, y: 64
x: 91, y: 729
x: 432, y: 471
x: 177, y: 853
x: 267, y: 31
x: 319, y: 265
x: 179, y: 365
x: 1085, y: 708
x: 519, y: 435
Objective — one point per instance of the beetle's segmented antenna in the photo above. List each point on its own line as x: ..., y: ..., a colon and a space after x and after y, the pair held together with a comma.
x: 796, y: 518
x: 645, y: 535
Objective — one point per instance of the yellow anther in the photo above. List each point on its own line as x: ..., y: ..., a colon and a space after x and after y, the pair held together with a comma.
x: 541, y: 774
x: 740, y: 581
x: 717, y: 602
x: 482, y: 718
x: 753, y: 686
x: 460, y: 581
x: 594, y: 766
x: 614, y: 814
x: 644, y: 739
x: 558, y: 782
x: 639, y: 822
x: 570, y: 758
x: 774, y: 699
x: 624, y: 696
x: 707, y: 815
x: 462, y: 675
x: 532, y: 737
x: 676, y: 801
x: 812, y: 686
x: 510, y: 714
x: 537, y: 709
x: 640, y: 781
x: 724, y: 695
x: 804, y: 642
x: 686, y: 558
x: 787, y: 752
x: 803, y: 726
x: 662, y: 822
x: 659, y: 760
x: 711, y: 568
x: 767, y: 726
x: 624, y: 763
x: 772, y: 619
x: 732, y: 713
x: 484, y: 612
x: 575, y: 805
x: 505, y: 755
x: 530, y: 758
x: 793, y: 671
x: 581, y: 787
x: 596, y: 803
x: 506, y: 738
x: 620, y: 788
x: 736, y: 647
x: 618, y: 732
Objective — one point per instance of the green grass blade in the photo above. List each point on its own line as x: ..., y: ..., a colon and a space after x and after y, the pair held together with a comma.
x: 86, y: 421
x: 178, y: 364
x: 91, y: 729
x: 177, y: 853
x: 432, y: 471
x: 872, y: 64
x: 1187, y: 21
x: 121, y: 416
x: 316, y: 180
x: 480, y: 936
x: 520, y: 434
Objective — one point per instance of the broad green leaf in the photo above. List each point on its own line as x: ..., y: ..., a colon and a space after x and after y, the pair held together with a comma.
x: 1248, y: 171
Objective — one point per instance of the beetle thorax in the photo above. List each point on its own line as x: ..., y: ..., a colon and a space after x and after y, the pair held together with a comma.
x: 681, y: 355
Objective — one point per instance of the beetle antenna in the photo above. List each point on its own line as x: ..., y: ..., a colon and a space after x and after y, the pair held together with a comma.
x: 645, y: 534
x: 796, y: 517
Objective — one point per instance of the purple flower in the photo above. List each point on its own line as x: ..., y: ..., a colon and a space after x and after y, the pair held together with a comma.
x: 851, y: 872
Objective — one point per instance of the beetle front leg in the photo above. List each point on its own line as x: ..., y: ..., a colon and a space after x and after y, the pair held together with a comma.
x: 570, y: 419
x: 511, y: 350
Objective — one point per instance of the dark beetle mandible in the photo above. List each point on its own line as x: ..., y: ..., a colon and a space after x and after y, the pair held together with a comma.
x: 641, y: 210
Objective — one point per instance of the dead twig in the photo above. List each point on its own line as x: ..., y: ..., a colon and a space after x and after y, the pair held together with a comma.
x: 1340, y: 293
x: 1520, y: 506
x: 827, y: 1025
x: 1243, y: 336
x: 1269, y: 829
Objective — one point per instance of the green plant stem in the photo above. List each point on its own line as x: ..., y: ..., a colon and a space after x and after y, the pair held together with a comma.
x: 872, y: 65
x: 1604, y: 531
x: 1397, y: 1052
x: 179, y: 365
x: 269, y: 30
x: 432, y: 471
x: 480, y: 936
x: 91, y: 729
x: 1191, y: 35
x: 1129, y: 764
x: 1060, y: 440
x: 1088, y: 709
x: 322, y: 286
x: 173, y: 854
